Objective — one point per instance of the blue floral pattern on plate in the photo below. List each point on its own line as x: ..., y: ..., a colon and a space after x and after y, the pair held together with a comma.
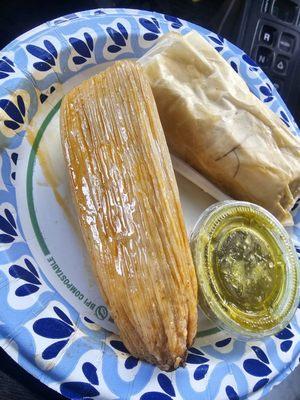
x: 68, y: 351
x: 83, y: 47
x: 75, y: 390
x: 54, y: 328
x: 119, y: 37
x: 6, y: 67
x: 15, y: 112
x: 47, y: 55
x: 27, y: 274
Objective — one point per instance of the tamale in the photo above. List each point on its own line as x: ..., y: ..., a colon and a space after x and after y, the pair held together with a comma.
x: 129, y: 211
x: 214, y: 123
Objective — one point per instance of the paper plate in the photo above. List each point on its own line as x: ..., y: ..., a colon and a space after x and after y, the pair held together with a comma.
x: 52, y: 318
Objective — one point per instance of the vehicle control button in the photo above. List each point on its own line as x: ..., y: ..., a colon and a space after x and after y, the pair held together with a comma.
x: 268, y: 35
x: 281, y: 64
x: 287, y: 42
x: 286, y: 10
x: 264, y: 57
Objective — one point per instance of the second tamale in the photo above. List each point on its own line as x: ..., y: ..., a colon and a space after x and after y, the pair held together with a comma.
x: 215, y: 124
x: 129, y: 211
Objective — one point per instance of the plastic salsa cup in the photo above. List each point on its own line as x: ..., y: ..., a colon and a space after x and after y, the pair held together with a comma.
x: 247, y: 269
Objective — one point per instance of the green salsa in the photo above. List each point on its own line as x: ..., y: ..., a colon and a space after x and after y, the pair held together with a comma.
x: 241, y: 261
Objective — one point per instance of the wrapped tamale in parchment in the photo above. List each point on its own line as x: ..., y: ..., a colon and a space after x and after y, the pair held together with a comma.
x: 215, y: 124
x: 129, y: 211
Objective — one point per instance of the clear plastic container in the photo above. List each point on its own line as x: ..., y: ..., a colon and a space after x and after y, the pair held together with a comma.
x: 247, y: 269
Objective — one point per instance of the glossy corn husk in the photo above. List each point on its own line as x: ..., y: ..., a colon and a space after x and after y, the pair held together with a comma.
x: 130, y: 215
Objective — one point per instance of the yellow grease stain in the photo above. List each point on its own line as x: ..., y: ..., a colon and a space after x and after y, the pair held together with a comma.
x: 51, y: 178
